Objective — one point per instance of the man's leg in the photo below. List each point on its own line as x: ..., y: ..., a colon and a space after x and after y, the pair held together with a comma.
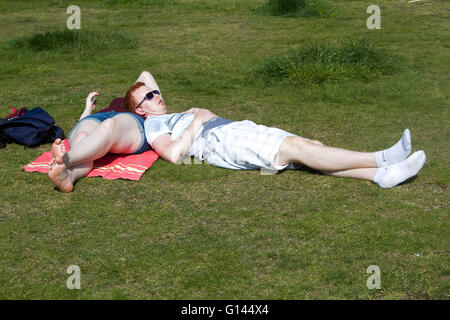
x: 361, y: 173
x: 389, y: 176
x: 323, y: 158
x: 397, y: 153
x: 350, y: 164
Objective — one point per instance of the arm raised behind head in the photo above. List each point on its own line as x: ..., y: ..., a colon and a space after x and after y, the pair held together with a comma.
x: 147, y: 78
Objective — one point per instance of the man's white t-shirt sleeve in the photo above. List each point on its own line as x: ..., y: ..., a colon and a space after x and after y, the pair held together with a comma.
x: 154, y: 127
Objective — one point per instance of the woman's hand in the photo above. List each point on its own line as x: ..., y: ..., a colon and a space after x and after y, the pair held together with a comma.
x: 203, y: 115
x: 90, y: 104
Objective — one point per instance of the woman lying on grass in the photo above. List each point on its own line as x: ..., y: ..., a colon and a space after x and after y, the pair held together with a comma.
x: 94, y: 136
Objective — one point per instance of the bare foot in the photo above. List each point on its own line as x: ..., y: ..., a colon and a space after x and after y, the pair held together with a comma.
x: 60, y: 176
x: 58, y: 149
x: 58, y: 172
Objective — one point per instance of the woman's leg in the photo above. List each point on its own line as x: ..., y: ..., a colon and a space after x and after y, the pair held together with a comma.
x: 59, y: 174
x: 83, y: 129
x: 120, y: 134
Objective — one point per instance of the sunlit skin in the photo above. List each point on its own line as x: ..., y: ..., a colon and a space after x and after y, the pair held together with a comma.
x: 153, y: 107
x: 91, y: 140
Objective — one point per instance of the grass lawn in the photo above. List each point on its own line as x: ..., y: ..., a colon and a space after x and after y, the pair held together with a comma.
x: 200, y: 232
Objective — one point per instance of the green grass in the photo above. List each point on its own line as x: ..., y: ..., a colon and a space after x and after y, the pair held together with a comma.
x: 353, y: 60
x: 199, y: 232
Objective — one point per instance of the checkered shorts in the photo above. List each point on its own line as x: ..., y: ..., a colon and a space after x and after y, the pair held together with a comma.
x: 243, y: 145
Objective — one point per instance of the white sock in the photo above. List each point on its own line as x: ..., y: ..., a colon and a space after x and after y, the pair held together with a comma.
x: 398, y: 152
x: 390, y: 176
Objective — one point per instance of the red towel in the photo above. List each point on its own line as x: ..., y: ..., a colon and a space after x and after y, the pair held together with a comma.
x: 111, y: 166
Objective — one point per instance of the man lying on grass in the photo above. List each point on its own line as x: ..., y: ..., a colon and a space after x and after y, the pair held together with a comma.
x: 245, y: 145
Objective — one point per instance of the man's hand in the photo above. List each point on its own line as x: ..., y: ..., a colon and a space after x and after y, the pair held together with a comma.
x: 202, y: 115
x: 174, y: 150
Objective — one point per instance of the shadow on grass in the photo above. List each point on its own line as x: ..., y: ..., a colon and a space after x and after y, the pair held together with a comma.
x: 299, y: 167
x: 316, y: 172
x: 408, y: 181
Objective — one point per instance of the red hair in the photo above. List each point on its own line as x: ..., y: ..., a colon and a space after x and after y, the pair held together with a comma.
x: 130, y: 101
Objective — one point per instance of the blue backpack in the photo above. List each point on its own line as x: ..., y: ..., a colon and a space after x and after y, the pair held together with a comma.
x: 31, y: 129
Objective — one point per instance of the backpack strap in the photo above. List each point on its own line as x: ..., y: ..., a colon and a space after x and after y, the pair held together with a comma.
x: 16, y: 112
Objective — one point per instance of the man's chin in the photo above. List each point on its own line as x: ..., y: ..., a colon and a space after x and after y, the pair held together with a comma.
x: 162, y: 111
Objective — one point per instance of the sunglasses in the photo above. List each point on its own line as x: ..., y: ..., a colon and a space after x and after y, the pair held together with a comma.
x: 148, y: 96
